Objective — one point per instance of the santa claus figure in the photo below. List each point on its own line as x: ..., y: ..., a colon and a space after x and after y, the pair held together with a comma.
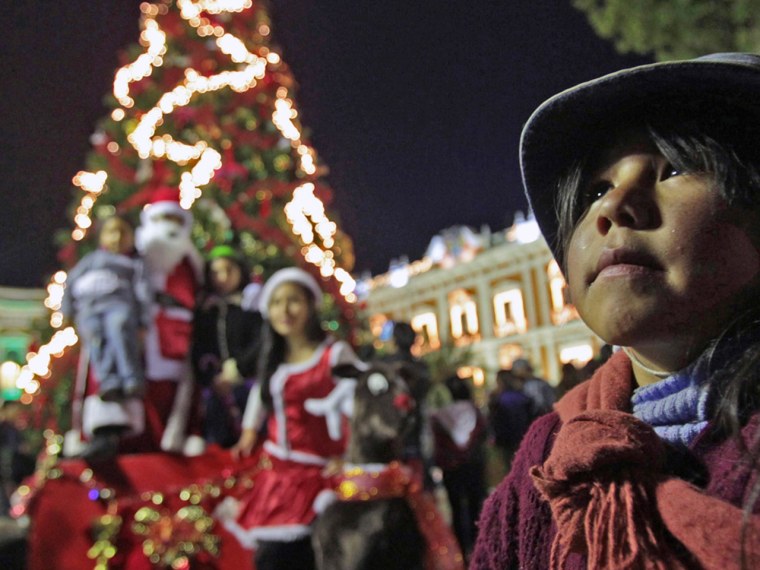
x: 175, y: 269
x: 168, y: 416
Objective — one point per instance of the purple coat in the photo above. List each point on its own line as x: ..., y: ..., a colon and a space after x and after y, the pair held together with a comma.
x: 516, y: 529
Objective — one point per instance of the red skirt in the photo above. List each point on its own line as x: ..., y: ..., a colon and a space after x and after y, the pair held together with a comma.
x: 280, y: 505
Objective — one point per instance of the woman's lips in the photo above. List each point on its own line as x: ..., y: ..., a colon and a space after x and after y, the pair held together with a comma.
x: 622, y: 261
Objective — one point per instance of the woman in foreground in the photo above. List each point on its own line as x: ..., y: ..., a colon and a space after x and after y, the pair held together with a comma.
x: 646, y: 185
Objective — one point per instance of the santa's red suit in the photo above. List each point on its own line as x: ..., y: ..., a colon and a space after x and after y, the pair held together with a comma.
x: 167, y: 418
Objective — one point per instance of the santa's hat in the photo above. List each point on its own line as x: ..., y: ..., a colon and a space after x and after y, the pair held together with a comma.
x: 165, y: 200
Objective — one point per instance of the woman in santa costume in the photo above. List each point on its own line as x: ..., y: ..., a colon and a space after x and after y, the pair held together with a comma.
x: 304, y: 407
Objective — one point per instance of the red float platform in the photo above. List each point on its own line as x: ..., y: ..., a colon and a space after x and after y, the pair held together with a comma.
x: 119, y: 513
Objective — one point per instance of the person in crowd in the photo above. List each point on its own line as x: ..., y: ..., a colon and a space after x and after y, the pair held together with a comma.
x: 459, y: 431
x: 16, y: 458
x: 418, y: 444
x: 570, y: 378
x: 592, y: 365
x: 510, y: 412
x: 225, y: 345
x: 107, y: 297
x: 304, y: 407
x: 540, y: 392
x: 646, y: 185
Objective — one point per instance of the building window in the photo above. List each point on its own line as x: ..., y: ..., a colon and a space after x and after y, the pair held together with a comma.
x: 464, y: 316
x: 426, y: 326
x: 509, y: 313
x: 508, y: 353
x: 562, y: 310
x: 578, y: 354
x: 476, y: 373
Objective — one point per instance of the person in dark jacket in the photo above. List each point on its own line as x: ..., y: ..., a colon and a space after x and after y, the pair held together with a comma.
x: 225, y: 345
x: 646, y: 185
x: 418, y: 442
x: 459, y: 432
x: 510, y: 412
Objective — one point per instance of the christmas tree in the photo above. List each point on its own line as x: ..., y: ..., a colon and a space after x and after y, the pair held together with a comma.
x: 204, y: 103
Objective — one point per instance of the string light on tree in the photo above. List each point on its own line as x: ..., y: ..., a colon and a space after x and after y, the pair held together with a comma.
x: 204, y: 103
x: 38, y: 364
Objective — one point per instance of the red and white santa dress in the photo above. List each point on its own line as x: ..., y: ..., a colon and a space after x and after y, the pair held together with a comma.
x: 307, y: 427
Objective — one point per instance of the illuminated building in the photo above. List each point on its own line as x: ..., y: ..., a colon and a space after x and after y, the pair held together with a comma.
x: 502, y: 294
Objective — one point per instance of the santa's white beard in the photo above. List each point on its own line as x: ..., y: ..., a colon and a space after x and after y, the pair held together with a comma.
x: 163, y: 244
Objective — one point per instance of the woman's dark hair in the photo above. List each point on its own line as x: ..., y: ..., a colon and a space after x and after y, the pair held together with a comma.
x: 726, y: 146
x: 273, y: 346
x: 237, y: 260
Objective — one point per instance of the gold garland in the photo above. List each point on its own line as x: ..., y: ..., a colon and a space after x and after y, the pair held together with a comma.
x: 170, y: 539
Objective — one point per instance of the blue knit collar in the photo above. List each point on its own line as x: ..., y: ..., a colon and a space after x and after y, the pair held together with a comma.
x: 676, y: 406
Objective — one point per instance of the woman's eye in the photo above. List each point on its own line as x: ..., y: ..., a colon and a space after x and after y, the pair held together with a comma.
x: 669, y: 171
x: 595, y: 191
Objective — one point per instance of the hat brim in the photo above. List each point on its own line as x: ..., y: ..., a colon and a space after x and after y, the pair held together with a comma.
x: 567, y: 125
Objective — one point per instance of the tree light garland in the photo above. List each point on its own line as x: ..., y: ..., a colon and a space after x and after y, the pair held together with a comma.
x: 305, y: 211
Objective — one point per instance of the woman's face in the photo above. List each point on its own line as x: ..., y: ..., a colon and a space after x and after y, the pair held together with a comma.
x: 290, y: 309
x: 225, y: 275
x: 659, y: 261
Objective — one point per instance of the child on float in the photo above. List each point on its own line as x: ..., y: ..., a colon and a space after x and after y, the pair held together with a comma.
x: 304, y: 408
x: 225, y: 344
x: 107, y: 297
x: 646, y: 185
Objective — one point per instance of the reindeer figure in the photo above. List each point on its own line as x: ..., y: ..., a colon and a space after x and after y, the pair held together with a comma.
x: 373, y: 525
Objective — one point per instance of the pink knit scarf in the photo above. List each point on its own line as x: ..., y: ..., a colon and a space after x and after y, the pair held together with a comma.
x: 611, y: 499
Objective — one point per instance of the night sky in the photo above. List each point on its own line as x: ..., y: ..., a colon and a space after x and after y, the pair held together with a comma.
x: 416, y: 108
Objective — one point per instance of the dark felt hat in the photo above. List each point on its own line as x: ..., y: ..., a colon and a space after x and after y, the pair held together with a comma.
x: 571, y: 122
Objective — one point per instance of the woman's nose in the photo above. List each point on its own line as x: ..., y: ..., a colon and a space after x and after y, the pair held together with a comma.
x: 630, y: 200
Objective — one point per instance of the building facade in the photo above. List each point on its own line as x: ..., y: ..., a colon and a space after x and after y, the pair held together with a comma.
x: 503, y: 295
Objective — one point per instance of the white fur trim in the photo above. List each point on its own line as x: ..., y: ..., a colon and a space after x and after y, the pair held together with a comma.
x: 250, y: 300
x: 249, y: 538
x: 333, y: 406
x: 342, y: 353
x: 73, y: 444
x: 254, y: 414
x: 178, y: 313
x: 174, y: 436
x: 227, y: 510
x: 292, y: 455
x: 288, y: 275
x: 323, y: 500
x: 372, y: 468
x: 165, y: 207
x: 194, y: 446
x: 97, y: 413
